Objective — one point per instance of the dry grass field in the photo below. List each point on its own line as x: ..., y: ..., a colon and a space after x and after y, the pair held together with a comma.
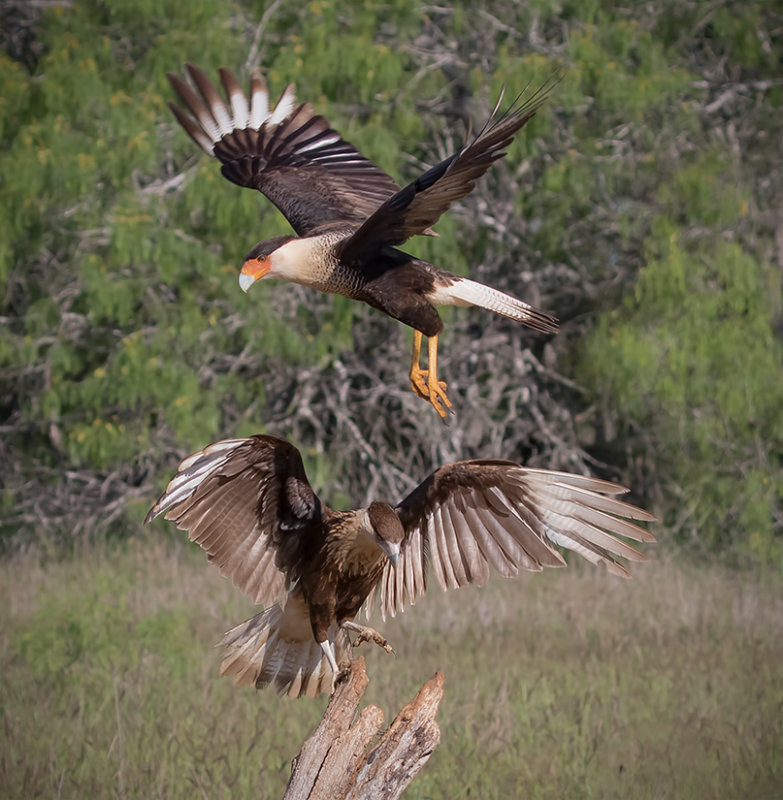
x: 560, y: 685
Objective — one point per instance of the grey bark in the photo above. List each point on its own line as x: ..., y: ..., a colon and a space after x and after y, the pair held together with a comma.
x: 335, y: 762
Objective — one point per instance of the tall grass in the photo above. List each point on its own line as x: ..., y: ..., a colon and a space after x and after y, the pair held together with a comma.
x: 565, y: 684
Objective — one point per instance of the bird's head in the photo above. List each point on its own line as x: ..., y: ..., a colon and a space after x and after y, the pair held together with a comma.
x: 266, y: 258
x: 388, y: 529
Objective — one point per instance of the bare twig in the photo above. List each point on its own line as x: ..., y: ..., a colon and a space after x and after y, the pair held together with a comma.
x: 253, y: 56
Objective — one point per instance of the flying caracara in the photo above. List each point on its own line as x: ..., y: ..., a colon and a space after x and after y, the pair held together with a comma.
x: 349, y: 215
x: 248, y: 503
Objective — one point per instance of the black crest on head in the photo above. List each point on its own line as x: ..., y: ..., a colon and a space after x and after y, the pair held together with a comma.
x: 268, y: 246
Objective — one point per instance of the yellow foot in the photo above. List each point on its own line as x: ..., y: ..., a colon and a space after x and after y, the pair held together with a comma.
x: 368, y: 635
x: 434, y: 393
x: 419, y: 383
x: 438, y: 398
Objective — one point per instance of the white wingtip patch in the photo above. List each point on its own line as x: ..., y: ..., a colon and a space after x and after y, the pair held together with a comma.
x: 259, y: 102
x: 285, y: 105
x: 240, y: 110
x: 212, y: 130
x: 211, y: 118
x: 223, y: 119
x: 193, y: 470
x: 206, y: 144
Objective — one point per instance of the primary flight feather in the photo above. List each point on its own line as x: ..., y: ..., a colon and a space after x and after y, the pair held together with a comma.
x: 349, y: 215
x: 248, y: 504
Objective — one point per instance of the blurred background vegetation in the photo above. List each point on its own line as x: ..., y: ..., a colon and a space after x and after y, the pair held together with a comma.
x: 642, y: 206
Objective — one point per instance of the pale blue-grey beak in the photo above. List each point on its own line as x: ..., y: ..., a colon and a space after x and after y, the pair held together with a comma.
x: 245, y: 281
x: 392, y: 550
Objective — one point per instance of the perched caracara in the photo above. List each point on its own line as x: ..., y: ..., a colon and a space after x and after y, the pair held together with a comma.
x: 349, y: 215
x: 248, y: 503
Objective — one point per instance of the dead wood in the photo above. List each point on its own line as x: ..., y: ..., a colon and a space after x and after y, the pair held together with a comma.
x: 335, y: 763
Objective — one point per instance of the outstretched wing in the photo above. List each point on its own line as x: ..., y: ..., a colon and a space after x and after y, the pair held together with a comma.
x: 421, y: 203
x: 289, y: 153
x: 248, y: 503
x: 472, y: 515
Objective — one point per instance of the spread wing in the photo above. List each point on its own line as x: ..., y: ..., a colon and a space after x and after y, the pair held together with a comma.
x: 472, y: 515
x: 289, y: 153
x: 421, y: 203
x: 248, y: 503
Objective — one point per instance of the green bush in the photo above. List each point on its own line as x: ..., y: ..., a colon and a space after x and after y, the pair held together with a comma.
x: 639, y: 205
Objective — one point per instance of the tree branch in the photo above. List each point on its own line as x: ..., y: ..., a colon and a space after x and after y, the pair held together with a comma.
x: 334, y: 763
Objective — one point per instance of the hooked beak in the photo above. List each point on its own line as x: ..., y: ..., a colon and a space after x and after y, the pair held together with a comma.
x: 392, y: 550
x: 252, y: 270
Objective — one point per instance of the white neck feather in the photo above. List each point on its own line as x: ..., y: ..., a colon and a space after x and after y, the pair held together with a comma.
x: 299, y: 261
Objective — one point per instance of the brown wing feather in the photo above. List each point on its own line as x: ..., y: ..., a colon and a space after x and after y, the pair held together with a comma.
x: 292, y: 155
x: 472, y: 515
x: 248, y: 504
x: 421, y: 203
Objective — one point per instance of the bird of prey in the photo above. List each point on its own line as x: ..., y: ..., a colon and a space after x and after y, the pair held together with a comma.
x: 249, y: 505
x: 349, y: 215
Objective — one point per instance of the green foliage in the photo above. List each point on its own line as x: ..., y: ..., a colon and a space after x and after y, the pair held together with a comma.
x: 125, y: 342
x: 689, y: 358
x: 111, y: 685
x: 133, y: 263
x: 640, y: 206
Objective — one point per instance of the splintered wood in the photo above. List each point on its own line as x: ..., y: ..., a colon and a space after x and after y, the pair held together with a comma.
x: 335, y: 764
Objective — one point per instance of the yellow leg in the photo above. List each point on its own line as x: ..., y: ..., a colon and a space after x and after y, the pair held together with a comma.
x: 417, y: 375
x: 425, y: 383
x: 437, y: 389
x: 367, y: 635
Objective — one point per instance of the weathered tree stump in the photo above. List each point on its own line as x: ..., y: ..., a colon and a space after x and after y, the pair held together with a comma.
x: 335, y: 764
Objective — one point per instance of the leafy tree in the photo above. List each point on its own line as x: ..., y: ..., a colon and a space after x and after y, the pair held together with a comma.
x: 641, y: 205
